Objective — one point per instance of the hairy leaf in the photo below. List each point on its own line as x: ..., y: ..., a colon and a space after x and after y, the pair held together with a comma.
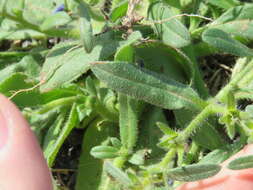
x: 117, y: 173
x: 241, y: 163
x: 193, y: 172
x: 104, y: 152
x: 222, y: 41
x: 172, y: 32
x: 147, y: 86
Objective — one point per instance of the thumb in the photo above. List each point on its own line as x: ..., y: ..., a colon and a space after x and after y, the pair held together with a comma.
x: 21, y: 160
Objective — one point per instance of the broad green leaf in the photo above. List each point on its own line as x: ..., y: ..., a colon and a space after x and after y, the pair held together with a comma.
x: 126, y: 51
x: 237, y: 21
x: 222, y: 41
x: 28, y: 65
x: 225, y: 4
x: 167, y: 61
x: 241, y: 163
x: 94, y: 135
x: 148, y: 86
x: 128, y: 121
x: 117, y: 173
x: 85, y: 26
x: 55, y: 20
x: 104, y: 152
x: 66, y: 129
x: 172, y: 32
x: 67, y: 61
x: 119, y: 11
x: 193, y: 172
x: 20, y: 81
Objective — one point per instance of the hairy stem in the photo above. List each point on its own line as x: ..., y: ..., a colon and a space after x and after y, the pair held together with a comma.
x: 198, y: 120
x: 247, y: 71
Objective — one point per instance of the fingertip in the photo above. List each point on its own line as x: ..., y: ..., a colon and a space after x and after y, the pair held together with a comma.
x: 21, y: 158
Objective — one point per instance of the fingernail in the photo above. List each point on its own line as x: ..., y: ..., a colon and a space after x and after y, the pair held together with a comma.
x: 3, y: 130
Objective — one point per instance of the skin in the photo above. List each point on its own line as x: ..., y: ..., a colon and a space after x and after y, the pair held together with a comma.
x: 23, y: 166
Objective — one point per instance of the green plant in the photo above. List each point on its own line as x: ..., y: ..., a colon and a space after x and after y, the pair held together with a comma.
x: 111, y: 75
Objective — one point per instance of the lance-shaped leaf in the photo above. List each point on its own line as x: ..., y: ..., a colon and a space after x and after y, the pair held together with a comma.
x: 128, y: 121
x: 171, y: 32
x: 241, y: 163
x: 237, y: 21
x: 193, y: 172
x: 86, y: 33
x: 104, y: 152
x: 71, y: 122
x: 222, y: 41
x: 117, y: 173
x: 146, y: 85
x: 219, y: 155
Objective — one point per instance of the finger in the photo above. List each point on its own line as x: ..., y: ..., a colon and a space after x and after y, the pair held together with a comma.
x: 226, y: 178
x: 22, y: 165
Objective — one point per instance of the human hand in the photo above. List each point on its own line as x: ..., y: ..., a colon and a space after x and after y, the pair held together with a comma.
x: 22, y: 166
x: 226, y: 179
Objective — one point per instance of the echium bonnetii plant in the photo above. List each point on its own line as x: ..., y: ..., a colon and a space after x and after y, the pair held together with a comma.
x: 126, y: 75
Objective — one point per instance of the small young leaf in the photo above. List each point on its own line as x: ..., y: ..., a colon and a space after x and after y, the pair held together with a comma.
x: 166, y: 129
x: 138, y: 158
x: 241, y: 163
x: 90, y: 86
x: 117, y: 173
x: 116, y: 142
x: 104, y: 152
x: 172, y: 32
x: 193, y: 172
x: 222, y: 41
x: 148, y: 86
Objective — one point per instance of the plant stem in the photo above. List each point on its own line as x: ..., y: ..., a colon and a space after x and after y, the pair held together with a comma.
x: 168, y: 157
x: 196, y: 122
x: 8, y: 54
x: 247, y: 70
x: 59, y: 102
x: 120, y: 161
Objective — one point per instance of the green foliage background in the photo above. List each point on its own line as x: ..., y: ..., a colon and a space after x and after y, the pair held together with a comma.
x: 126, y: 76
